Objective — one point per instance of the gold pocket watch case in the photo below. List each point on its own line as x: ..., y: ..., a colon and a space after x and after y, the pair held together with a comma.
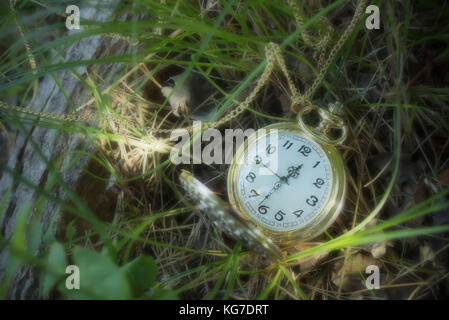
x: 286, y: 183
x: 300, y: 196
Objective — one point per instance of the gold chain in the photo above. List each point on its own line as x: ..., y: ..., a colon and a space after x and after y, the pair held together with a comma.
x: 273, y: 54
x: 335, y: 49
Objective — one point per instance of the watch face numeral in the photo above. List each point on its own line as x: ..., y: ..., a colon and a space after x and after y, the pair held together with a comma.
x: 258, y: 159
x: 318, y: 183
x: 254, y: 193
x: 316, y: 164
x: 304, y: 150
x: 279, y: 215
x: 250, y: 177
x: 287, y: 144
x: 298, y: 213
x: 263, y: 209
x: 312, y: 201
x: 271, y: 149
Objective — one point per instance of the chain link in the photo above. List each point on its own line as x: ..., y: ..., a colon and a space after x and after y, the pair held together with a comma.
x: 324, y: 65
x: 273, y: 54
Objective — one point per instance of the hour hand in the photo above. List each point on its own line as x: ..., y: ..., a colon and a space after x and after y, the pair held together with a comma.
x: 293, y: 172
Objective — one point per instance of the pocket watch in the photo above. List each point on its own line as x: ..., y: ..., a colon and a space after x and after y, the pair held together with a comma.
x: 286, y: 183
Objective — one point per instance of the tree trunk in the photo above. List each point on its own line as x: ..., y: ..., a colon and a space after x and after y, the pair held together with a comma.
x: 24, y: 159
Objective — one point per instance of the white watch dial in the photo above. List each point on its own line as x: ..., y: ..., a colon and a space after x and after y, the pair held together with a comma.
x: 285, y: 184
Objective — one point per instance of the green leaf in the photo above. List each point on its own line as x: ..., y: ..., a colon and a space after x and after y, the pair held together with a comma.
x: 55, y: 271
x: 100, y: 277
x: 49, y: 235
x: 141, y: 273
x: 34, y: 235
x: 18, y: 240
x: 71, y: 231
